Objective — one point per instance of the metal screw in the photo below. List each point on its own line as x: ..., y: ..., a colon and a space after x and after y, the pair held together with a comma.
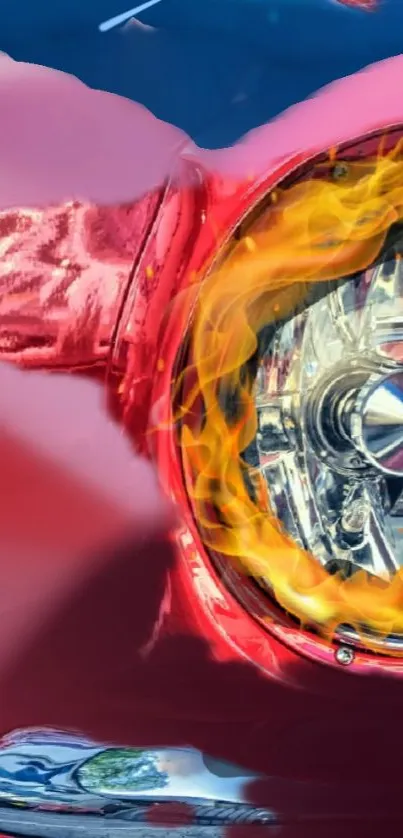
x: 355, y: 462
x: 340, y: 171
x: 344, y: 655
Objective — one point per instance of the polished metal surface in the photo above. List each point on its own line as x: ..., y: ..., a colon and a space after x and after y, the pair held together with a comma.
x: 329, y: 402
x: 54, y: 784
x: 377, y: 423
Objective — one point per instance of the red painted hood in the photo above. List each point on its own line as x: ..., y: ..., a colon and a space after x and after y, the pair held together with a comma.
x: 153, y: 649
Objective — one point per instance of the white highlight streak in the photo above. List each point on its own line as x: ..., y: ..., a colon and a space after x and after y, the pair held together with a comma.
x: 116, y: 21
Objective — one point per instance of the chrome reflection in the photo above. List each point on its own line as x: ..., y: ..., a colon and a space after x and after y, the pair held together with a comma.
x: 329, y: 402
x: 52, y: 783
x: 379, y: 423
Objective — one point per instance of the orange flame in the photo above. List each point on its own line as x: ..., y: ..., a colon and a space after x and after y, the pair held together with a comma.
x: 317, y: 230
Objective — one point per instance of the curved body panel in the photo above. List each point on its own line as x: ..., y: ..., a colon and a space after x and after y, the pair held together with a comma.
x: 210, y: 675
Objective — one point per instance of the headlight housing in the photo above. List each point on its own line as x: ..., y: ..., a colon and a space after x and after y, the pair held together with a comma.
x: 290, y: 401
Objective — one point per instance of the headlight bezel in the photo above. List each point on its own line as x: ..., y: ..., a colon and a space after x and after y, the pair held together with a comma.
x: 246, y: 590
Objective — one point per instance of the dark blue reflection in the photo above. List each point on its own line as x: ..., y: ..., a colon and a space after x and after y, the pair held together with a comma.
x: 216, y: 68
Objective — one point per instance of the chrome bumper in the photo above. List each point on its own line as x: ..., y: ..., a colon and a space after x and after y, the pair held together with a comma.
x: 56, y: 785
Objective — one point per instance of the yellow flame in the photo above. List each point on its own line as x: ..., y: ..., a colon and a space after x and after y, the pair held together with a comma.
x: 318, y: 230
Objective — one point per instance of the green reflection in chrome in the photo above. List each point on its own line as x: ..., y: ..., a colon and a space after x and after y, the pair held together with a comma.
x: 118, y: 769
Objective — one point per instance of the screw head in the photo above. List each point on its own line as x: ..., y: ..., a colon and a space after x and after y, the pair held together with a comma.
x: 340, y: 171
x: 344, y: 655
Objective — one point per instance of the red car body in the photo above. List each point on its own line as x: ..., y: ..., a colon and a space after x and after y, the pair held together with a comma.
x: 327, y: 737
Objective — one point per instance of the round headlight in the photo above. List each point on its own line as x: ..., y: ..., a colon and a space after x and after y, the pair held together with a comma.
x: 292, y: 399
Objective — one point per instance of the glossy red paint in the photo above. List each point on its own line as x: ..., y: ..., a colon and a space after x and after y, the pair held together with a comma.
x: 157, y: 650
x: 64, y: 274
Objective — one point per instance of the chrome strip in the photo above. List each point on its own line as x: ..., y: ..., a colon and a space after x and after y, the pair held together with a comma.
x: 54, y: 784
